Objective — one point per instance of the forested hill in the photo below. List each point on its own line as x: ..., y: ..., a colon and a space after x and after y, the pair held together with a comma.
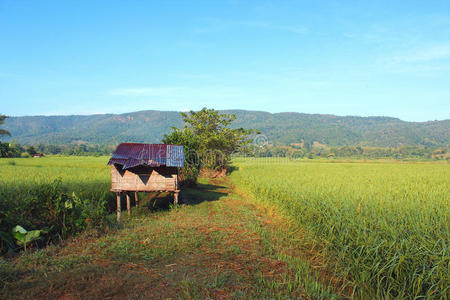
x: 280, y: 128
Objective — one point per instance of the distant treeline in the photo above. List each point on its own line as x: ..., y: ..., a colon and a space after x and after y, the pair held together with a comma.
x: 16, y: 150
x: 279, y: 128
x: 357, y: 152
x: 292, y: 151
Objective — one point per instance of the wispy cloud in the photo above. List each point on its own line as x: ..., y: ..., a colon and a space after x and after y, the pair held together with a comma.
x: 422, y: 70
x: 8, y: 75
x: 349, y: 35
x: 217, y: 25
x: 300, y: 29
x: 426, y: 54
x: 194, y: 76
x: 147, y: 91
x: 182, y: 98
x: 180, y: 92
x: 423, y: 61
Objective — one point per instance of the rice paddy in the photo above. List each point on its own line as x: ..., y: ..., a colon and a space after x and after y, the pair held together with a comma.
x: 385, y: 225
x: 59, y: 195
x: 79, y: 174
x: 382, y: 227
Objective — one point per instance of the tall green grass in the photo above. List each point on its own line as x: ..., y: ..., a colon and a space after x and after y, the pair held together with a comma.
x: 387, y: 225
x: 62, y: 195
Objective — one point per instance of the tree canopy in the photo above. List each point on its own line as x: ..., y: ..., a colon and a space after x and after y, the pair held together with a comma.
x: 208, y: 140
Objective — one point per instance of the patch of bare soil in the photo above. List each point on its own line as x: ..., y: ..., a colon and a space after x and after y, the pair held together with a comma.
x: 213, y: 173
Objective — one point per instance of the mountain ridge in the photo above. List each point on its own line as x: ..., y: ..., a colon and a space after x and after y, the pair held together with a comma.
x: 280, y: 128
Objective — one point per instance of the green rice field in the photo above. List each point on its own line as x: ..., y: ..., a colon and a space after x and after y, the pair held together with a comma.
x: 57, y: 194
x: 385, y: 226
x: 78, y: 173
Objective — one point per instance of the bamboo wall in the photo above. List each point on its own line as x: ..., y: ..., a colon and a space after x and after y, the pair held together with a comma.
x: 144, y: 179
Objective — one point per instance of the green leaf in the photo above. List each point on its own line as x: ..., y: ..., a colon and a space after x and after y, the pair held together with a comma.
x: 32, y: 236
x: 23, y: 236
x: 18, y: 232
x: 68, y: 204
x: 19, y: 236
x: 20, y: 229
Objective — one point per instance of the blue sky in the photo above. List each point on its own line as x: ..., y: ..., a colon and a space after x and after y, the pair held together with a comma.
x: 364, y: 58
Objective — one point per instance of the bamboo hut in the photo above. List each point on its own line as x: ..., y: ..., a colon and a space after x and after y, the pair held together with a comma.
x: 145, y: 168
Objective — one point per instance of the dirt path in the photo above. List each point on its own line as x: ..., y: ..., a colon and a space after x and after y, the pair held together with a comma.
x: 219, y: 246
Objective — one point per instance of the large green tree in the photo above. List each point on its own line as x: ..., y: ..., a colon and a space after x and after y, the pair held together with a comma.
x: 208, y: 140
x: 3, y: 131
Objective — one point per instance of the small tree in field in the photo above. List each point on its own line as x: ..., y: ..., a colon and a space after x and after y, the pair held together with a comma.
x: 208, y: 141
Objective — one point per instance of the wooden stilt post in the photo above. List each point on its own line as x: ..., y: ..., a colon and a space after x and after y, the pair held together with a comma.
x: 136, y: 198
x: 128, y: 203
x: 175, y: 198
x: 118, y: 207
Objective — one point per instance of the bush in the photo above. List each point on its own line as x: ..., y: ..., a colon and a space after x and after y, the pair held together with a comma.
x: 25, y: 155
x: 189, y: 175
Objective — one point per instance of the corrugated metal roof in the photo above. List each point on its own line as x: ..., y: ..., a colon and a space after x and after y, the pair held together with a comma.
x: 154, y: 155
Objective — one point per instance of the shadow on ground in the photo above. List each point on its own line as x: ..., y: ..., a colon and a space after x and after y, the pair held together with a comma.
x: 189, y: 196
x: 203, y: 192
